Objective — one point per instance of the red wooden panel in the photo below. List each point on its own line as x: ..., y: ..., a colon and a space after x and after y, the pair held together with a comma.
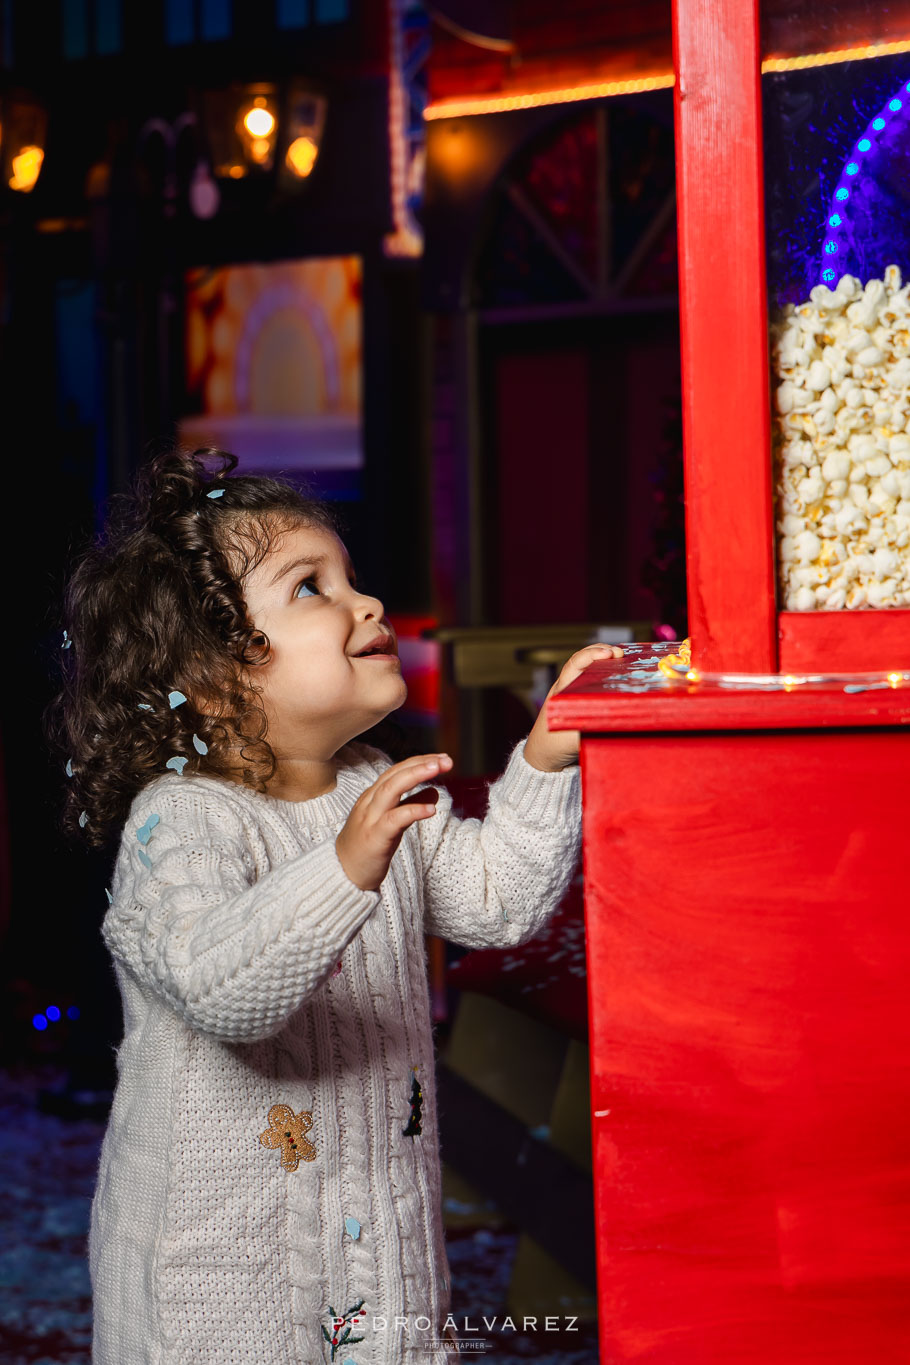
x: 592, y: 704
x: 749, y: 959
x: 724, y: 333
x: 844, y: 641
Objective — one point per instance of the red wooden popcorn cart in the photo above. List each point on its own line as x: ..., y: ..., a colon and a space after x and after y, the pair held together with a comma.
x: 745, y: 807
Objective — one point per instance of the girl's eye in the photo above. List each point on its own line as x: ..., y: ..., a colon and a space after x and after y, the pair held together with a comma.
x: 307, y: 581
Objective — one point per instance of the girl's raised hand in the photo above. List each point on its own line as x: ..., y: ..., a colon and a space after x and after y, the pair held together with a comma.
x: 553, y: 750
x: 381, y: 814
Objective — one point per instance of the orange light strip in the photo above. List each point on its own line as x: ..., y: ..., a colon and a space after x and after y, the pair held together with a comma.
x: 498, y: 104
x: 664, y: 80
x: 844, y: 54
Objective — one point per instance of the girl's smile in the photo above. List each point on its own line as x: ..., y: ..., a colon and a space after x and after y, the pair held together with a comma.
x: 318, y: 688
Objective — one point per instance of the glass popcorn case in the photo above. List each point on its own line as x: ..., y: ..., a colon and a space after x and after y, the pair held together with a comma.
x: 744, y: 801
x: 837, y: 167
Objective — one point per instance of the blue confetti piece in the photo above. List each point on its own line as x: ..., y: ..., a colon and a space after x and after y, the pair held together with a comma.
x: 175, y: 698
x: 146, y: 859
x: 83, y: 820
x: 66, y: 641
x: 69, y: 767
x: 216, y: 493
x: 110, y: 899
x: 144, y: 706
x: 144, y: 832
x: 178, y: 763
x: 353, y: 1227
x: 200, y: 745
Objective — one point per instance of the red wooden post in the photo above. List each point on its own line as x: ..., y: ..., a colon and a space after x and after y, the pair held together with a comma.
x: 724, y: 336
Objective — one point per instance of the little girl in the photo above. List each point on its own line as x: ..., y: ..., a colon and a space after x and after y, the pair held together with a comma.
x: 269, y: 1183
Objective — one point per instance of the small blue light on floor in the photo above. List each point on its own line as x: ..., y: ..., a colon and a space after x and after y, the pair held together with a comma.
x: 894, y: 104
x: 842, y: 194
x: 878, y: 124
x: 831, y: 248
x: 863, y: 145
x: 72, y: 1012
x: 851, y: 168
x: 834, y: 220
x: 52, y: 1013
x: 39, y: 1021
x: 827, y: 275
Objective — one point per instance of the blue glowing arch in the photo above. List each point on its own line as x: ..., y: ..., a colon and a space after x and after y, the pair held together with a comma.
x: 867, y: 226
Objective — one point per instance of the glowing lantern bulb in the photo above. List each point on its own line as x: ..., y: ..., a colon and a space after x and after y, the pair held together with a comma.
x: 301, y: 156
x: 258, y: 122
x: 895, y: 679
x: 26, y: 168
x: 693, y: 675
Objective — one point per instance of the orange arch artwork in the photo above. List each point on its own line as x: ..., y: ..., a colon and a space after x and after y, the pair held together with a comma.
x: 274, y: 361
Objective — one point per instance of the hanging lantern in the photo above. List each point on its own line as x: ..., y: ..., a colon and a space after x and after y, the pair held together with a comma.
x: 257, y: 126
x: 241, y: 129
x: 23, y: 129
x: 304, y: 122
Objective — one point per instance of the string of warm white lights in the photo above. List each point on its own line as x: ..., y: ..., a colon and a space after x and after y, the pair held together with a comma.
x: 678, y: 668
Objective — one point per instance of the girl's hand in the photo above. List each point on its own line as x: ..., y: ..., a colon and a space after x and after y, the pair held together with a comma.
x: 551, y: 751
x: 381, y: 814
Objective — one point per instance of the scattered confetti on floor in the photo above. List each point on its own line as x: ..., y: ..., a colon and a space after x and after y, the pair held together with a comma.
x: 45, y: 1293
x: 47, y: 1174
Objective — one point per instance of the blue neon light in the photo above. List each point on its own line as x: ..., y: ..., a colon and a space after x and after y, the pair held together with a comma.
x: 72, y: 1012
x: 39, y: 1022
x: 828, y: 276
x: 52, y: 1013
x: 836, y: 222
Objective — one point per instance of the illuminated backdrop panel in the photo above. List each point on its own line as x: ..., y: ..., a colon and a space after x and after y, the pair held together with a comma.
x: 274, y: 363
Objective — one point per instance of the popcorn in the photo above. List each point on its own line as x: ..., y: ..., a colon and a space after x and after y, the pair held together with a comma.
x: 842, y: 446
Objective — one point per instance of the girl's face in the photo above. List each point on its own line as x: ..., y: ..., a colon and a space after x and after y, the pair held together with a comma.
x: 316, y: 693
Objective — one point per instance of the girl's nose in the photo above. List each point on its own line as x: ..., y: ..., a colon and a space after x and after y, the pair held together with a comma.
x: 373, y: 605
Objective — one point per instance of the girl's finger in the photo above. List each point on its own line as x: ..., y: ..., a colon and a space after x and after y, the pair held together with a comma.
x: 400, y: 817
x: 398, y: 779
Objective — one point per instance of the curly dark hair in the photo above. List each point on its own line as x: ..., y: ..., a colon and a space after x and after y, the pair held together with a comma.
x: 155, y: 606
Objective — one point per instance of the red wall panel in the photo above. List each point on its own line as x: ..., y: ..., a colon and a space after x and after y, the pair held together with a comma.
x: 749, y: 960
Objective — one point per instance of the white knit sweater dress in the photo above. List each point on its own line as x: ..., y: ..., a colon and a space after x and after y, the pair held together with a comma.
x: 225, y: 1229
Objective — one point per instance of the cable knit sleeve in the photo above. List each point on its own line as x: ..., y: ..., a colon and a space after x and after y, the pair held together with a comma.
x: 496, y: 882
x: 234, y: 955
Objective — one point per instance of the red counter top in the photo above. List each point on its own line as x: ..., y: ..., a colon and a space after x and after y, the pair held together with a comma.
x: 631, y: 694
